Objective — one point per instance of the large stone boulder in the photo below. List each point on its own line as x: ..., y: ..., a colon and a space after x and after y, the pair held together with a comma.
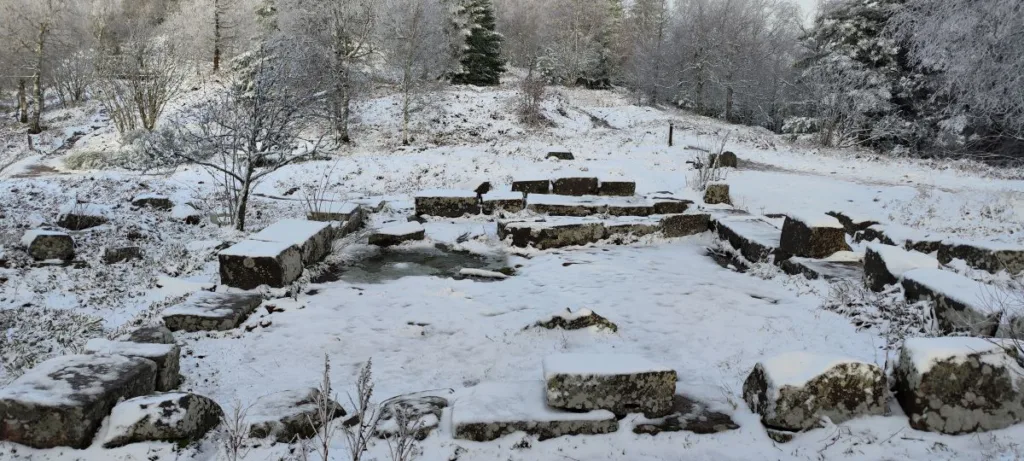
x: 177, y: 417
x: 618, y: 229
x: 578, y: 320
x: 154, y: 201
x: 447, y: 203
x: 166, y: 356
x: 509, y: 202
x: 812, y: 236
x: 420, y: 412
x: 291, y: 415
x: 961, y: 304
x: 62, y: 401
x: 121, y: 254
x: 959, y: 385
x: 885, y: 264
x: 538, y: 186
x: 794, y: 391
x: 989, y: 256
x: 717, y: 193
x: 617, y: 188
x: 690, y: 416
x: 397, y: 234
x: 621, y: 384
x: 80, y: 216
x: 755, y: 239
x: 251, y: 263
x: 206, y: 311
x: 682, y: 225
x: 726, y: 160
x: 489, y: 411
x: 575, y: 186
x: 153, y: 334
x: 313, y: 238
x: 44, y: 245
x: 335, y: 211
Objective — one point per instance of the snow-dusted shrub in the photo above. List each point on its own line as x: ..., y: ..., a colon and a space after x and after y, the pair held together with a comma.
x: 708, y: 165
x: 801, y: 125
x: 887, y: 311
x: 30, y: 335
x: 86, y: 160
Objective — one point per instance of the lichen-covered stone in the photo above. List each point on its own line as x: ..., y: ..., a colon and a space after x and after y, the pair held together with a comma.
x: 960, y: 385
x: 636, y: 228
x: 205, y: 311
x: 166, y: 357
x: 578, y: 209
x: 156, y: 202
x: 121, y: 254
x: 682, y: 225
x: 155, y: 334
x: 44, y: 245
x: 62, y: 401
x: 717, y: 194
x: 575, y: 186
x: 621, y: 384
x: 630, y: 209
x: 690, y: 416
x: 583, y: 318
x: 960, y: 304
x: 801, y: 239
x: 290, y: 415
x: 420, y: 412
x: 544, y: 235
x: 252, y: 263
x: 448, y: 206
x: 814, y: 269
x: 77, y: 221
x: 664, y: 205
x: 794, y: 391
x: 181, y: 418
x: 617, y: 188
x: 987, y: 259
x: 398, y: 234
x: 541, y: 186
x: 313, y: 238
x: 884, y: 265
x: 727, y: 160
x: 512, y: 202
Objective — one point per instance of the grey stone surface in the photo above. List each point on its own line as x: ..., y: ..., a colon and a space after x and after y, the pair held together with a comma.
x: 290, y: 415
x: 547, y: 235
x: 45, y: 245
x: 560, y: 155
x: 396, y: 235
x: 420, y: 412
x: 166, y: 357
x: 313, y: 238
x: 728, y: 160
x: 690, y: 416
x: 509, y: 205
x: 877, y: 271
x: 541, y: 186
x: 574, y: 208
x: 756, y: 240
x: 252, y: 263
x: 584, y: 318
x: 621, y: 384
x: 800, y: 239
x: 493, y: 410
x: 665, y: 205
x: 960, y: 304
x: 988, y: 259
x: 205, y: 311
x: 156, y: 202
x: 181, y: 418
x: 815, y: 269
x: 619, y: 228
x: 61, y: 402
x: 630, y: 209
x: 839, y: 389
x: 682, y: 225
x: 77, y: 221
x: 959, y: 385
x: 852, y: 225
x: 448, y: 206
x: 156, y: 334
x: 575, y: 186
x: 717, y: 194
x: 617, y: 188
x: 121, y: 254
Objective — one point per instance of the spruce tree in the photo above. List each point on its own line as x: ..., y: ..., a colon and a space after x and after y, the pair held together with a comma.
x: 481, y: 62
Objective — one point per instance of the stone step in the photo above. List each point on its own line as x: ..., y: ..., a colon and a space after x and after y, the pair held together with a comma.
x: 823, y: 268
x: 812, y: 236
x: 852, y: 223
x: 447, y: 203
x: 885, y: 264
x: 509, y: 202
x: 345, y: 217
x: 987, y: 256
x: 619, y: 383
x: 63, y: 401
x: 206, y: 311
x: 489, y: 411
x: 961, y: 304
x: 313, y: 238
x: 177, y: 417
x: 397, y: 234
x: 166, y: 356
x: 558, y: 232
x: 754, y: 238
x: 589, y: 205
x: 251, y: 263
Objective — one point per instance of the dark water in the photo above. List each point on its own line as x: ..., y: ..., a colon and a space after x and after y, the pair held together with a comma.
x: 393, y: 264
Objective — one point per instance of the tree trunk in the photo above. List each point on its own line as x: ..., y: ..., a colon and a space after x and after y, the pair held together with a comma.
x: 728, y: 103
x: 22, y: 102
x: 243, y: 199
x: 216, y: 36
x: 37, y: 82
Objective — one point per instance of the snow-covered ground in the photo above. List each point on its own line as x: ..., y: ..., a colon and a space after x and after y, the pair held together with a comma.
x: 673, y: 304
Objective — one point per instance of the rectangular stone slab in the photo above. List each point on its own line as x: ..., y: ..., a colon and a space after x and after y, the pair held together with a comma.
x: 988, y: 256
x: 539, y: 186
x: 682, y: 225
x: 398, y: 233
x: 312, y: 237
x: 617, y: 188
x: 511, y: 202
x: 251, y: 263
x: 562, y: 205
x: 575, y: 186
x: 815, y: 269
x: 960, y: 303
x: 206, y: 311
x: 489, y: 411
x: 447, y: 204
x: 619, y: 383
x: 63, y: 401
x: 755, y: 239
x: 554, y: 233
x: 166, y: 356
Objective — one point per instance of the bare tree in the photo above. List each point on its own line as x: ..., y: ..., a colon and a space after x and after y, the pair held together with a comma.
x: 138, y: 84
x: 244, y: 133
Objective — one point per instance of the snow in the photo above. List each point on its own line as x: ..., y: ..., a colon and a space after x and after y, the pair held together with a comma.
x: 338, y: 207
x: 993, y: 245
x: 845, y: 257
x: 48, y: 383
x: 183, y: 211
x: 754, y: 229
x: 502, y: 195
x: 570, y: 315
x: 581, y: 364
x: 498, y: 402
x: 977, y: 295
x: 446, y: 193
x: 128, y: 413
x: 30, y: 236
x: 482, y: 273
x: 899, y: 261
x: 926, y: 352
x: 202, y: 304
x: 102, y: 346
x: 799, y: 367
x: 399, y: 230
x: 816, y: 220
x: 86, y: 209
x: 257, y: 249
x: 292, y: 231
x: 150, y: 196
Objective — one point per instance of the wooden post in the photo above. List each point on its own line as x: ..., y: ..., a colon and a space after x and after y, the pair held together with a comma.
x: 671, y: 128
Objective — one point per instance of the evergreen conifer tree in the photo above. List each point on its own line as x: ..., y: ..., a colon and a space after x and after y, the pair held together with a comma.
x: 481, y: 61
